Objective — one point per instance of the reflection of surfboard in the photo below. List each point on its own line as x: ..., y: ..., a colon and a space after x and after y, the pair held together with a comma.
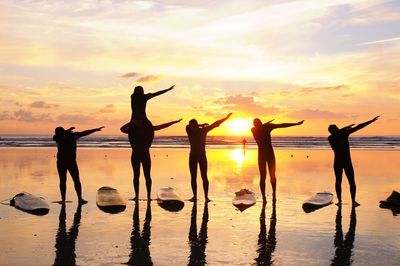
x: 168, y: 199
x: 317, y: 201
x: 30, y: 203
x: 109, y: 200
x: 244, y: 199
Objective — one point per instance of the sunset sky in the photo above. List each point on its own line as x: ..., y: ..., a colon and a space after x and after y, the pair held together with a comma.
x: 75, y: 63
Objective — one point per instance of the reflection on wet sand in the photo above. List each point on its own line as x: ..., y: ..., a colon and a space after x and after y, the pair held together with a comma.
x: 65, y: 242
x: 140, y: 241
x: 198, y: 242
x: 266, y: 243
x: 344, y: 246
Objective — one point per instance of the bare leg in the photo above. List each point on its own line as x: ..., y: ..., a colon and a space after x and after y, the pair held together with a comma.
x: 263, y: 174
x: 136, y: 174
x: 62, y: 173
x: 338, y: 184
x: 74, y: 171
x: 193, y: 176
x: 146, y: 163
x: 203, y: 172
x: 348, y: 169
x: 272, y: 175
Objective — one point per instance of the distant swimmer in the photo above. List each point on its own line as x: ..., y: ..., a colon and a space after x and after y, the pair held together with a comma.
x: 339, y: 141
x: 262, y: 135
x: 244, y: 141
x: 66, y: 158
x: 197, y: 134
x: 141, y: 142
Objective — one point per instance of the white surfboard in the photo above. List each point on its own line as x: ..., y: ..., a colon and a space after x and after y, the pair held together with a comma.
x: 317, y: 201
x: 168, y: 199
x: 30, y: 203
x: 244, y: 199
x: 109, y: 200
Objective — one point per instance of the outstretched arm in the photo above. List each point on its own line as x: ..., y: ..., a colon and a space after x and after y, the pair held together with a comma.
x: 269, y: 122
x: 287, y: 124
x: 88, y: 132
x: 218, y: 122
x: 162, y: 126
x: 151, y: 95
x: 362, y: 125
x: 125, y: 128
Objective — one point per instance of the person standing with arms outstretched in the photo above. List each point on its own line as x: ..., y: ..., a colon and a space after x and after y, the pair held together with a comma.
x: 66, y: 158
x: 138, y: 104
x: 262, y: 135
x: 141, y: 142
x: 339, y: 141
x: 197, y: 134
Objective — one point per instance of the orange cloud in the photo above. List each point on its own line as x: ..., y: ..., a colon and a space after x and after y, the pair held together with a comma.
x: 130, y: 75
x: 149, y: 78
x: 43, y: 105
x: 315, y: 114
x: 246, y: 104
x: 110, y: 108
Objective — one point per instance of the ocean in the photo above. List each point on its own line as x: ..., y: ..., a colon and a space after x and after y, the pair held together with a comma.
x: 216, y: 142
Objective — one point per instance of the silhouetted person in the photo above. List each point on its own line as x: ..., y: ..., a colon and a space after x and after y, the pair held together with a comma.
x: 65, y: 242
x: 140, y: 241
x: 138, y: 105
x: 266, y: 243
x: 66, y: 158
x: 339, y: 141
x: 198, y: 242
x: 343, y: 251
x: 141, y: 143
x: 197, y: 134
x: 262, y: 135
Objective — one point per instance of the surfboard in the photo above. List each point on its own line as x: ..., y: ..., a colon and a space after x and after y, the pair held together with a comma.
x: 30, y: 203
x: 169, y: 200
x: 317, y: 201
x: 109, y: 200
x: 244, y: 199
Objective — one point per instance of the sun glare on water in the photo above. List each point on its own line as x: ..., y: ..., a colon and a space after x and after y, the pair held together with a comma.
x: 238, y: 126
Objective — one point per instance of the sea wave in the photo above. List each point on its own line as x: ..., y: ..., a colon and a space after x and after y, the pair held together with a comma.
x: 279, y: 142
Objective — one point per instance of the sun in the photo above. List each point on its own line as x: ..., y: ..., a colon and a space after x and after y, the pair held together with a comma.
x: 238, y: 126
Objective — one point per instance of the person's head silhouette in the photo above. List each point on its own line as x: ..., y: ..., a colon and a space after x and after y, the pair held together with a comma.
x: 193, y: 122
x: 138, y: 90
x: 59, y: 131
x: 332, y: 129
x: 257, y: 122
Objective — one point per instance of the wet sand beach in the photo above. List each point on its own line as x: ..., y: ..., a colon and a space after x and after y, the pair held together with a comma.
x: 215, y: 233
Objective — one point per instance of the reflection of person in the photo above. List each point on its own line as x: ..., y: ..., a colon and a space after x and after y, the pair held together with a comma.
x: 339, y: 141
x: 140, y: 241
x: 141, y: 143
x: 198, y: 242
x: 66, y: 158
x: 344, y: 246
x: 262, y: 135
x: 197, y: 134
x: 65, y: 242
x: 266, y: 243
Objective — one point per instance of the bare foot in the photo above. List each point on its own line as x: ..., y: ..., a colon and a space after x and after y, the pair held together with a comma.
x: 355, y: 204
x: 82, y: 201
x: 193, y: 199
